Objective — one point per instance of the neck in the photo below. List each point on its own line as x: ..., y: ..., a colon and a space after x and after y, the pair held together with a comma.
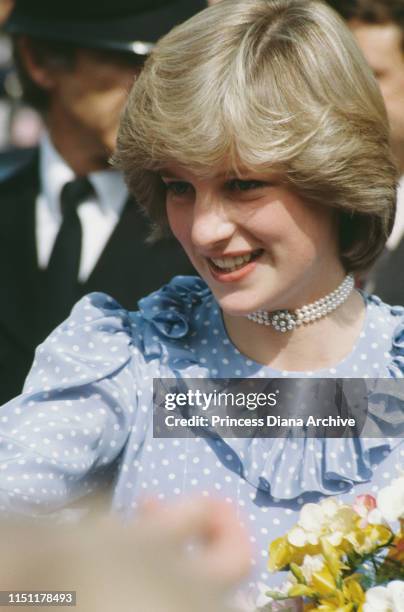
x: 78, y: 147
x: 304, y: 348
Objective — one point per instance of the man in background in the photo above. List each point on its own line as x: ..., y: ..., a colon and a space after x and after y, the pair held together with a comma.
x: 67, y: 225
x: 378, y: 26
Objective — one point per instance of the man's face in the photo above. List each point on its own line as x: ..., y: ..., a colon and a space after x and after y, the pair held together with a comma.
x: 382, y: 48
x: 87, y: 100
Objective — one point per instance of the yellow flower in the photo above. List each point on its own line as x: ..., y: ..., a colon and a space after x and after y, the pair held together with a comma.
x: 331, y: 608
x: 333, y: 556
x: 353, y: 591
x: 320, y: 546
x: 280, y: 554
x: 365, y: 541
x: 323, y: 582
x: 301, y: 590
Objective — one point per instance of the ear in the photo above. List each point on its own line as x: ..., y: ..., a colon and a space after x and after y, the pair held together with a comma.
x: 5, y: 10
x: 30, y: 56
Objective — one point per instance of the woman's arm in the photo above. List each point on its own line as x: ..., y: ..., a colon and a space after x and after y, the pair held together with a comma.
x: 60, y: 437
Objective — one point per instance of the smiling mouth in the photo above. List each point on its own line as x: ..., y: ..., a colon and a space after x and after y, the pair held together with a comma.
x: 232, y: 264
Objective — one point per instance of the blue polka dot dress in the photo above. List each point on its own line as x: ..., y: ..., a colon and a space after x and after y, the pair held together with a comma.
x: 87, y: 413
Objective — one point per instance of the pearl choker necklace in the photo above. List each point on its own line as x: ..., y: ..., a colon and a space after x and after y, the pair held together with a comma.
x: 286, y: 320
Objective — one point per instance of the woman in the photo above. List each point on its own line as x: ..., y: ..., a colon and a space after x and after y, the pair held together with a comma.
x: 258, y: 133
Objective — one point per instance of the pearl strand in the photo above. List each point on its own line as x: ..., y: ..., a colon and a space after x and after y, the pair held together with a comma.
x: 286, y: 320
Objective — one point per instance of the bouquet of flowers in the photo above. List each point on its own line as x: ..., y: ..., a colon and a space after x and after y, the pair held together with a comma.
x: 344, y: 558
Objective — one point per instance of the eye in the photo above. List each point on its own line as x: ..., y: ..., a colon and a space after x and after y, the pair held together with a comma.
x: 244, y: 185
x: 178, y: 188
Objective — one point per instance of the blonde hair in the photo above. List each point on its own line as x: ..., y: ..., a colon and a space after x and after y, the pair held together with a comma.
x: 268, y: 86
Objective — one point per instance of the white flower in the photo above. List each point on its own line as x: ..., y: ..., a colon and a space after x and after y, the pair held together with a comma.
x: 385, y: 599
x: 390, y: 500
x: 247, y: 600
x: 244, y: 602
x: 329, y: 519
x: 263, y: 599
x: 375, y: 517
x: 312, y: 564
x: 287, y: 584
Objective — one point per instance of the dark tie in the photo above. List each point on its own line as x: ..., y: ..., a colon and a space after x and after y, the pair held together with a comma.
x: 61, y: 275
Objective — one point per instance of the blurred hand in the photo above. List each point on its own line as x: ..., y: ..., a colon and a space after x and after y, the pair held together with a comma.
x: 220, y: 554
x: 144, y: 566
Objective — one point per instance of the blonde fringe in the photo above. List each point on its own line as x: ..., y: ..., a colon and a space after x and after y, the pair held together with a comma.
x: 268, y: 86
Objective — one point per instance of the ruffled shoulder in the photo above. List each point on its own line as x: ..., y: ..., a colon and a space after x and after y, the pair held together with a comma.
x: 169, y: 312
x: 396, y: 366
x: 90, y: 345
x: 170, y: 308
x: 387, y: 324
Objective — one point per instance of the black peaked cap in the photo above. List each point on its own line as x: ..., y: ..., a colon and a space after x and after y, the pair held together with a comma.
x: 122, y: 25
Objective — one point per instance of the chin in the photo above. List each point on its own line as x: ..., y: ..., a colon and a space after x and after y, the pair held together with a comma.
x: 236, y: 307
x: 243, y: 303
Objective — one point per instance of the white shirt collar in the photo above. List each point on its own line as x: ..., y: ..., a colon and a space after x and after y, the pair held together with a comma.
x: 109, y: 185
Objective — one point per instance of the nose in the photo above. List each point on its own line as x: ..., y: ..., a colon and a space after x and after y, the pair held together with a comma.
x: 212, y: 223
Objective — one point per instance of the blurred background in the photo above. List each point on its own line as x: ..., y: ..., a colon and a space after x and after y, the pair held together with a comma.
x: 20, y: 125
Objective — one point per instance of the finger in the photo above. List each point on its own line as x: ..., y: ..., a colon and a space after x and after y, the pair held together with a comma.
x: 225, y: 553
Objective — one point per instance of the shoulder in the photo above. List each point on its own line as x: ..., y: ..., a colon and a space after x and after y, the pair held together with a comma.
x: 171, y: 309
x: 105, y: 336
x: 95, y: 342
x: 18, y: 171
x: 384, y: 315
x: 98, y: 320
x: 387, y: 325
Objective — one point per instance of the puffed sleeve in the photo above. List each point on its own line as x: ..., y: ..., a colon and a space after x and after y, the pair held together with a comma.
x: 60, y: 438
x: 396, y: 366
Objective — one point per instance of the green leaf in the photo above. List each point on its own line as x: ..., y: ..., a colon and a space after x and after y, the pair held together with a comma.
x: 298, y: 574
x: 276, y: 595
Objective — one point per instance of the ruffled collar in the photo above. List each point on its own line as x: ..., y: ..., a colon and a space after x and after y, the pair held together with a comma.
x: 295, y: 467
x: 286, y: 468
x: 292, y: 467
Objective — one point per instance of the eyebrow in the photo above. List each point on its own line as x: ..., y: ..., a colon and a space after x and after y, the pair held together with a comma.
x: 222, y: 176
x: 167, y: 173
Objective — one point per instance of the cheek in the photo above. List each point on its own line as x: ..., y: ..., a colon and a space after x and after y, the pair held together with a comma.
x: 97, y: 110
x: 288, y: 228
x: 180, y: 221
x: 273, y: 225
x: 104, y: 108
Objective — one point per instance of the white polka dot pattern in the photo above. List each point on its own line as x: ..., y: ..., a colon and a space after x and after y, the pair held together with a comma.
x: 86, y: 410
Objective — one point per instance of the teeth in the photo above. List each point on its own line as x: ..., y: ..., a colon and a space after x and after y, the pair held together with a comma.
x: 228, y: 263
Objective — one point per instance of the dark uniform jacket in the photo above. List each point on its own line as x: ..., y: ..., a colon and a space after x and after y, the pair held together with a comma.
x: 387, y: 278
x: 128, y: 269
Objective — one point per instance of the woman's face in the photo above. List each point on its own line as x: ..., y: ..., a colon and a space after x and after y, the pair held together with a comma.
x: 256, y: 244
